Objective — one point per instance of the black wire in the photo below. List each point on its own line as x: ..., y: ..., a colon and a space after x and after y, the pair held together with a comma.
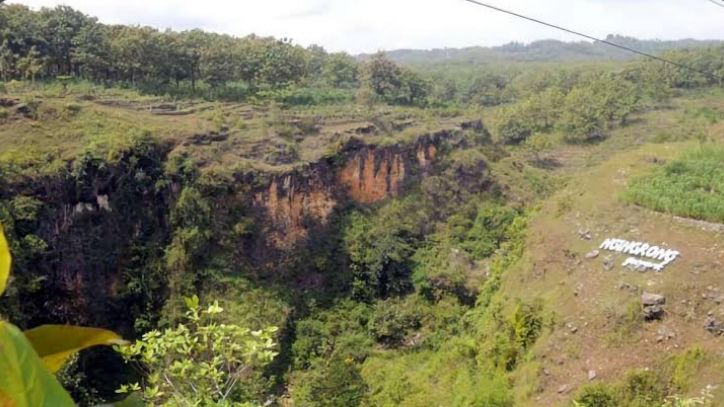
x: 717, y: 3
x: 613, y: 44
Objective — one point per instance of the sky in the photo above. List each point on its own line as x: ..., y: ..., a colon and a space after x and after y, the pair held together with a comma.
x: 358, y: 26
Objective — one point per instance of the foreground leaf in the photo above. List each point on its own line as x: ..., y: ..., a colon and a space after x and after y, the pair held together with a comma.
x: 4, y: 261
x: 134, y: 400
x: 56, y: 343
x: 24, y: 381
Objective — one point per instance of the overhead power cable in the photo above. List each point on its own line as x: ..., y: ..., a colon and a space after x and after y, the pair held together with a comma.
x: 590, y: 37
x: 717, y: 3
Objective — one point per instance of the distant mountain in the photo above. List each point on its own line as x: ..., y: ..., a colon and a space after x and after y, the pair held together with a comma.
x: 544, y: 50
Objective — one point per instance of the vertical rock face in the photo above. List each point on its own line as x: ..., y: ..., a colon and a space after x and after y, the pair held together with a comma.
x: 370, y: 174
x: 94, y: 229
x: 426, y: 154
x: 289, y: 201
x: 373, y: 175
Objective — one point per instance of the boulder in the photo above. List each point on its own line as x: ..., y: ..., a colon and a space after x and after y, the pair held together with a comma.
x: 653, y: 312
x: 714, y: 327
x: 648, y: 299
x: 23, y: 110
x: 592, y: 254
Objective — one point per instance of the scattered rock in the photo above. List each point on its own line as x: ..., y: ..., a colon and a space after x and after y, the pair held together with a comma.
x: 7, y: 102
x: 564, y: 389
x: 653, y: 312
x: 369, y: 129
x: 206, y: 139
x: 592, y: 254
x: 23, y: 110
x: 714, y: 327
x: 652, y: 303
x: 655, y: 160
x: 628, y: 287
x: 608, y: 263
x: 592, y: 375
x: 665, y: 333
x: 648, y: 299
x: 584, y: 234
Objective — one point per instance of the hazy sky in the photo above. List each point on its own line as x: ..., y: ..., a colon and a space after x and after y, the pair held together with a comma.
x: 369, y: 25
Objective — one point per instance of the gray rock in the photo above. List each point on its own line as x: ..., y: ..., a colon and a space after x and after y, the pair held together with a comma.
x: 648, y: 299
x: 23, y: 110
x: 592, y: 254
x: 564, y: 389
x: 584, y: 234
x: 714, y: 327
x: 592, y: 375
x: 653, y: 312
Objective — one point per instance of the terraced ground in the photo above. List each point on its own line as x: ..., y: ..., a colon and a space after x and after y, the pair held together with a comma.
x: 43, y: 128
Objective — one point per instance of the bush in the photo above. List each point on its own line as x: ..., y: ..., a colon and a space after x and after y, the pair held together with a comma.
x: 692, y: 186
x: 198, y: 362
x: 489, y: 230
x: 597, y: 395
x: 392, y: 320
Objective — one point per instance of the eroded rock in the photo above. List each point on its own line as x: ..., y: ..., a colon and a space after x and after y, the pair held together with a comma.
x: 649, y: 299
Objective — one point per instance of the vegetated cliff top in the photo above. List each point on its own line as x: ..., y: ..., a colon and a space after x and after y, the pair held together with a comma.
x: 42, y: 130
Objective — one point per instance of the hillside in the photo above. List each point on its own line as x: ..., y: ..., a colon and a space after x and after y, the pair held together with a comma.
x: 248, y: 222
x: 542, y: 51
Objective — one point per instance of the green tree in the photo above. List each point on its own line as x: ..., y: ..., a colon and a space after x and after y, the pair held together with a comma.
x: 7, y: 61
x: 200, y: 361
x: 341, y: 70
x: 383, y: 76
x: 60, y: 27
x: 92, y: 52
x: 31, y: 64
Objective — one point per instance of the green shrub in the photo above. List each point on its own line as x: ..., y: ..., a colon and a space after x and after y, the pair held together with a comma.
x: 489, y: 230
x: 379, y: 251
x: 692, y: 186
x: 597, y: 395
x: 392, y: 320
x: 683, y: 365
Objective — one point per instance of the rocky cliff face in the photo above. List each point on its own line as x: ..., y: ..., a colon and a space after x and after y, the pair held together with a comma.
x: 90, y: 227
x: 368, y: 174
x: 101, y: 227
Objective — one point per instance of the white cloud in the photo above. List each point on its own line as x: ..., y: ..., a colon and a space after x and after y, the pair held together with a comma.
x: 369, y: 25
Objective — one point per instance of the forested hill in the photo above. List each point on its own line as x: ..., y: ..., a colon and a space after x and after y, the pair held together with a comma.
x: 544, y: 51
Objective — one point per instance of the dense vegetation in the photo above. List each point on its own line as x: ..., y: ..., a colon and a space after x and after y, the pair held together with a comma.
x: 395, y: 303
x: 692, y: 186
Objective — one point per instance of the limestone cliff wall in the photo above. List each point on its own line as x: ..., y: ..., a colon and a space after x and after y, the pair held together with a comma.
x: 366, y: 175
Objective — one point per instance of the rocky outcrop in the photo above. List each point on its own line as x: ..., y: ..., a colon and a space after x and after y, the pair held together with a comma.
x: 363, y: 174
x: 652, y: 305
x: 93, y: 228
x: 101, y: 226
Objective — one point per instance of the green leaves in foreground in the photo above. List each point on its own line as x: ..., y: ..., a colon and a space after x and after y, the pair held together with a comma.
x: 24, y: 381
x: 4, y: 261
x: 56, y: 343
x: 28, y: 360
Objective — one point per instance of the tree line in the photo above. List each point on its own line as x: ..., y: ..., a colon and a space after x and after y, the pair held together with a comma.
x: 63, y: 42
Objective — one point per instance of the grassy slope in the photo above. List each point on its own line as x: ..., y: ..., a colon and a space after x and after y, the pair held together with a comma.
x: 266, y: 137
x: 586, y: 296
